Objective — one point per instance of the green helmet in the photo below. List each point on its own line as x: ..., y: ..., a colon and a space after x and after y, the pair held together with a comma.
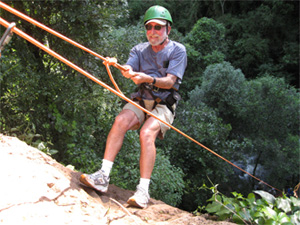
x: 157, y: 12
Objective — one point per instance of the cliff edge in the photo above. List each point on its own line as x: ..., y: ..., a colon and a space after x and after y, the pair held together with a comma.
x: 36, y: 189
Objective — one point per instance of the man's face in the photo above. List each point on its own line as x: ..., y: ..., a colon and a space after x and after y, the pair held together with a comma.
x: 155, y: 35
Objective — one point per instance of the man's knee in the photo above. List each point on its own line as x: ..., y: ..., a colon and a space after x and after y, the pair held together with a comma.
x: 145, y: 133
x: 148, y: 134
x: 121, y: 121
x: 125, y: 120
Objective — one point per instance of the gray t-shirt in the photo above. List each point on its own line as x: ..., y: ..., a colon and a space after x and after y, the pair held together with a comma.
x: 172, y: 59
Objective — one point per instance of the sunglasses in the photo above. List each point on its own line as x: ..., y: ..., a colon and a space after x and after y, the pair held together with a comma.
x: 156, y: 27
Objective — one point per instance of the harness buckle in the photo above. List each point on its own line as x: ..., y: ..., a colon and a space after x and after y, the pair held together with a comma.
x: 155, y: 89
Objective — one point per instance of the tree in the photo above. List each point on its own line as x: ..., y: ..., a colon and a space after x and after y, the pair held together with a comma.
x: 205, y: 45
x: 201, y: 123
x: 251, y: 123
x: 269, y: 119
x: 263, y: 111
x: 49, y: 98
x: 259, y: 37
x: 222, y: 89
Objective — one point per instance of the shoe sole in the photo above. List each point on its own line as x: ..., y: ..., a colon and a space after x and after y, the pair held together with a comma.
x: 132, y: 202
x: 83, y: 179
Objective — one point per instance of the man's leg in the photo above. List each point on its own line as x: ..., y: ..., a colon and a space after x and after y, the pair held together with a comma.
x: 123, y: 122
x: 100, y: 179
x: 148, y: 135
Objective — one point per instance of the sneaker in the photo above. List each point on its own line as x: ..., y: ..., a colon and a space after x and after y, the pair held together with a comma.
x: 97, y: 180
x: 140, y: 198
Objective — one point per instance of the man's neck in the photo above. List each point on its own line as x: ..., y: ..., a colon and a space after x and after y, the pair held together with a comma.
x: 160, y: 47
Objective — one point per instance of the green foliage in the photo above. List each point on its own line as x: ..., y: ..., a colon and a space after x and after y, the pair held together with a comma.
x: 43, y: 98
x: 280, y: 107
x: 201, y: 123
x: 262, y: 208
x: 125, y: 172
x: 258, y: 39
x: 206, y: 36
x: 223, y: 89
x: 205, y: 45
x: 268, y: 117
x: 264, y: 111
x: 225, y: 97
x: 166, y: 181
x: 44, y: 148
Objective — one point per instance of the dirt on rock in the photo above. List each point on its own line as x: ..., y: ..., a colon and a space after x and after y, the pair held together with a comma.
x: 36, y: 189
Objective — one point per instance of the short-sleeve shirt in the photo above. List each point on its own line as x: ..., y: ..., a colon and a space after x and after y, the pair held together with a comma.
x: 171, y: 59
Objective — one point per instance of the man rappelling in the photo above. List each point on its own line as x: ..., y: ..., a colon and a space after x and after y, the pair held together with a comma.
x: 157, y: 67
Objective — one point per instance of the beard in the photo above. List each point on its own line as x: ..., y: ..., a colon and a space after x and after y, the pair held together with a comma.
x: 156, y: 39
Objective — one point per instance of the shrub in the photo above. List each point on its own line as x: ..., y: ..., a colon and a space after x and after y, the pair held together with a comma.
x: 259, y: 207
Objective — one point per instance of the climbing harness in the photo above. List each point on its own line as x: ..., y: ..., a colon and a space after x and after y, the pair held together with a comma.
x: 107, y: 62
x: 171, y: 99
x: 6, y: 36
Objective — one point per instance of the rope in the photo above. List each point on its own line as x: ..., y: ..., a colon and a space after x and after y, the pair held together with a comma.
x: 42, y: 26
x: 296, y: 189
x: 107, y: 62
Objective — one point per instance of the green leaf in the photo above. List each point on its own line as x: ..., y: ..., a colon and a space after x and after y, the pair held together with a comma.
x: 213, y: 207
x: 224, y: 211
x: 230, y: 206
x: 270, y: 213
x: 237, y: 195
x: 295, y: 201
x: 237, y: 219
x: 245, y: 214
x: 295, y: 219
x: 283, y: 218
x: 251, y: 198
x: 270, y: 222
x: 266, y: 196
x: 283, y: 204
x: 53, y: 151
x: 258, y: 214
x: 243, y: 204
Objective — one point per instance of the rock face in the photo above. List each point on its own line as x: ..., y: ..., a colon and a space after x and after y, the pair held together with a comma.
x: 35, y: 189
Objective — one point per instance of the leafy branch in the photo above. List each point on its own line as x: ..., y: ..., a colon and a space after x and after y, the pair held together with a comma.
x: 259, y: 207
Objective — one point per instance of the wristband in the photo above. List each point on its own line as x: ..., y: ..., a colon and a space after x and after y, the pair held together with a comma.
x: 154, y: 81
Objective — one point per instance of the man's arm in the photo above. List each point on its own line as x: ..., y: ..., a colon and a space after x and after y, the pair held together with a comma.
x: 139, y: 78
x: 165, y: 82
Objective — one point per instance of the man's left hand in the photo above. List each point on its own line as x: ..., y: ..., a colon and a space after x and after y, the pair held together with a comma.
x: 140, y: 78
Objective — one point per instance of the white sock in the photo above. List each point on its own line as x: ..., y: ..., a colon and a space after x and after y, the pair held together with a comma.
x: 106, y: 166
x: 144, y: 183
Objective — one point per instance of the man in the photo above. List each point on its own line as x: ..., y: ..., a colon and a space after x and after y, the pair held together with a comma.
x: 157, y: 67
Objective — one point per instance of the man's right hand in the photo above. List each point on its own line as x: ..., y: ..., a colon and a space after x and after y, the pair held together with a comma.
x: 128, y: 73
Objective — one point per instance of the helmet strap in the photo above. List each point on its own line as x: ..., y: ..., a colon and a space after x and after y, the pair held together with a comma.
x: 167, y: 26
x: 163, y: 41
